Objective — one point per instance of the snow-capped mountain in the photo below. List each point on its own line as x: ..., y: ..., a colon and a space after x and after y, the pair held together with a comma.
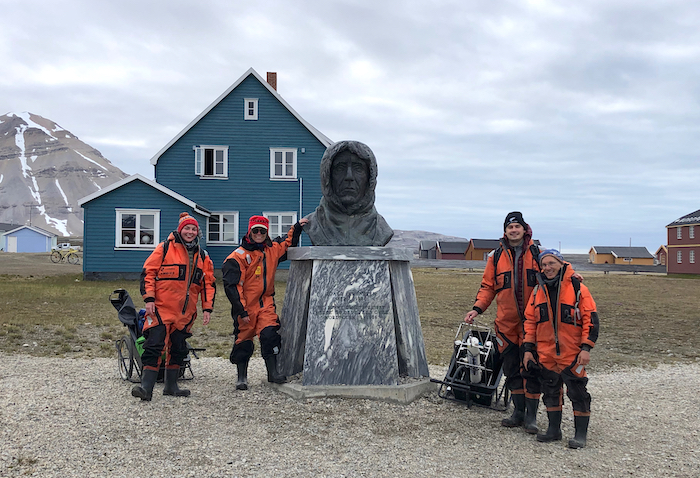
x: 44, y: 170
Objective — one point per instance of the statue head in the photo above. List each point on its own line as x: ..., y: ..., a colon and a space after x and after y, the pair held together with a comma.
x: 349, y: 176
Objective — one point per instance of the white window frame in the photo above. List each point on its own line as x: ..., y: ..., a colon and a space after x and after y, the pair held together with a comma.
x: 250, y: 113
x: 691, y: 258
x: 235, y: 228
x: 199, y: 166
x: 679, y: 232
x: 119, y: 235
x: 679, y: 257
x: 691, y: 232
x: 280, y: 230
x: 283, y: 152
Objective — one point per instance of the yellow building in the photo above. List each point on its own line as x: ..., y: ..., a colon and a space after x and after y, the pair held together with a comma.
x: 639, y: 256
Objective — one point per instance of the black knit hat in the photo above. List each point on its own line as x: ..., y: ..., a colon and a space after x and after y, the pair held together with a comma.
x: 515, y: 216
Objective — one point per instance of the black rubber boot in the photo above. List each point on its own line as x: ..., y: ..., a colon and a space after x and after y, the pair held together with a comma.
x: 553, y: 430
x: 579, y: 440
x: 272, y: 375
x: 171, y: 388
x: 242, y: 383
x: 148, y: 381
x: 518, y: 416
x: 530, y: 424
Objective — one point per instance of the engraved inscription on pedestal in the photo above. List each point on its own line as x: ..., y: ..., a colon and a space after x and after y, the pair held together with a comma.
x: 350, y: 336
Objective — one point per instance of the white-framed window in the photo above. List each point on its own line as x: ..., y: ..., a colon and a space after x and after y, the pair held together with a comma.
x: 222, y: 228
x: 283, y: 163
x: 691, y: 232
x: 679, y: 257
x: 679, y: 233
x: 691, y: 259
x: 137, y: 228
x: 280, y: 222
x: 250, y: 109
x: 211, y: 161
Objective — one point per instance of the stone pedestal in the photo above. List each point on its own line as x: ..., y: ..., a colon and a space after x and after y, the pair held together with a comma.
x: 350, y: 317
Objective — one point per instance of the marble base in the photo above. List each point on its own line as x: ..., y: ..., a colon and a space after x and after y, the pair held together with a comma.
x: 402, y: 394
x: 350, y: 317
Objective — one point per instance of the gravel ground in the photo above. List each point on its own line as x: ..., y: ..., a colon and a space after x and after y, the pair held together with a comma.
x: 66, y: 417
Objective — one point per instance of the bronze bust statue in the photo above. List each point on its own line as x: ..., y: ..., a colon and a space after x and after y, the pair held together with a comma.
x: 346, y: 215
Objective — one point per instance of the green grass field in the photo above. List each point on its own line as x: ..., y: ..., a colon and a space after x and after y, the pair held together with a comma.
x: 644, y: 319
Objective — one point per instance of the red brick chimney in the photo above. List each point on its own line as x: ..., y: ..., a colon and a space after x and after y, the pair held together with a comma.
x: 272, y: 79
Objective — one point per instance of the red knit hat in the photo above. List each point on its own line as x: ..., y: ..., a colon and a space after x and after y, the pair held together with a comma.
x: 258, y: 221
x: 186, y: 219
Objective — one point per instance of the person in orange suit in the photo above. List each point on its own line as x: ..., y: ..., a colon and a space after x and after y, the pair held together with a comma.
x: 561, y: 328
x: 249, y: 283
x: 509, y: 277
x: 176, y: 273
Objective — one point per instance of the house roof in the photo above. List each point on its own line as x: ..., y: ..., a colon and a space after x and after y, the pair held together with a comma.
x: 635, y: 252
x: 688, y: 219
x: 427, y: 245
x: 320, y: 136
x: 33, y: 228
x: 485, y: 243
x: 7, y: 227
x: 137, y: 177
x: 661, y: 248
x: 453, y: 247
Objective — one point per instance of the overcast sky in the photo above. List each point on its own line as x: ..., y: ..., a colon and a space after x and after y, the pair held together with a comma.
x: 584, y: 116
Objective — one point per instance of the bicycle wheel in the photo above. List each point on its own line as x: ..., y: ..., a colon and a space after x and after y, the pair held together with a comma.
x: 73, y: 258
x: 124, y: 358
x: 56, y: 257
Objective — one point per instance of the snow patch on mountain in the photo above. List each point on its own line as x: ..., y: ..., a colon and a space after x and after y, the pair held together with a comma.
x: 26, y: 117
x: 93, y: 162
x: 65, y: 199
x: 45, y: 168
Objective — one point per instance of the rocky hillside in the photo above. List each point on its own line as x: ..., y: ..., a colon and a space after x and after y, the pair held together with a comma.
x: 44, y: 170
x: 411, y: 239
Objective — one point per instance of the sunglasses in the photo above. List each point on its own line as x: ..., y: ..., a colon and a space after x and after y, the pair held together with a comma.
x: 258, y: 230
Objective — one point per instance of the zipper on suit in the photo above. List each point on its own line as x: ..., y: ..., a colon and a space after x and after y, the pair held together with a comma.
x: 264, y: 261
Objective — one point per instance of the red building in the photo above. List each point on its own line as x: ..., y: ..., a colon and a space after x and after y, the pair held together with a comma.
x: 684, y: 245
x: 451, y: 250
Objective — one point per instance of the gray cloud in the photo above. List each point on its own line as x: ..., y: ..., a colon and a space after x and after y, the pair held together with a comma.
x: 583, y: 116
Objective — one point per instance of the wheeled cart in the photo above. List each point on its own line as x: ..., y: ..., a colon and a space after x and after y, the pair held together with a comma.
x: 130, y: 347
x: 474, y: 374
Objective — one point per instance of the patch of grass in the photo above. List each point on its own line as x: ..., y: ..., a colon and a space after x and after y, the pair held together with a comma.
x: 645, y: 319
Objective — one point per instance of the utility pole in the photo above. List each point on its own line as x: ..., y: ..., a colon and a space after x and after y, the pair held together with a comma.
x: 31, y: 207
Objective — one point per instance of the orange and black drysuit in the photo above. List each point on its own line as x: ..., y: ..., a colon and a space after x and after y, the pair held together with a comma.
x: 173, y: 276
x: 561, y: 320
x: 249, y: 282
x: 510, y: 280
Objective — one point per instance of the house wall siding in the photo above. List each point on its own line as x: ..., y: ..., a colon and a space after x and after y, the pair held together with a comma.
x: 684, y: 244
x: 248, y: 188
x: 477, y: 254
x: 603, y: 258
x: 99, y: 254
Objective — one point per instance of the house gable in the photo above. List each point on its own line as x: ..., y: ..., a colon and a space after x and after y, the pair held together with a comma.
x: 246, y: 187
x: 102, y: 258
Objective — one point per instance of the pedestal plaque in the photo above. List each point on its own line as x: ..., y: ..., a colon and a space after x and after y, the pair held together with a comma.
x: 350, y: 317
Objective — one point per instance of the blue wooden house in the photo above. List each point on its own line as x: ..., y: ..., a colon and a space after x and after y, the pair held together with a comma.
x: 27, y: 239
x: 247, y: 153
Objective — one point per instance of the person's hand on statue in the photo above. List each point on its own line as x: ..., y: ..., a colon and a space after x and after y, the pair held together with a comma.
x: 303, y: 221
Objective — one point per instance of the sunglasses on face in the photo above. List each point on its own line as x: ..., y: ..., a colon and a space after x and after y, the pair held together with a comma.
x: 258, y: 230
